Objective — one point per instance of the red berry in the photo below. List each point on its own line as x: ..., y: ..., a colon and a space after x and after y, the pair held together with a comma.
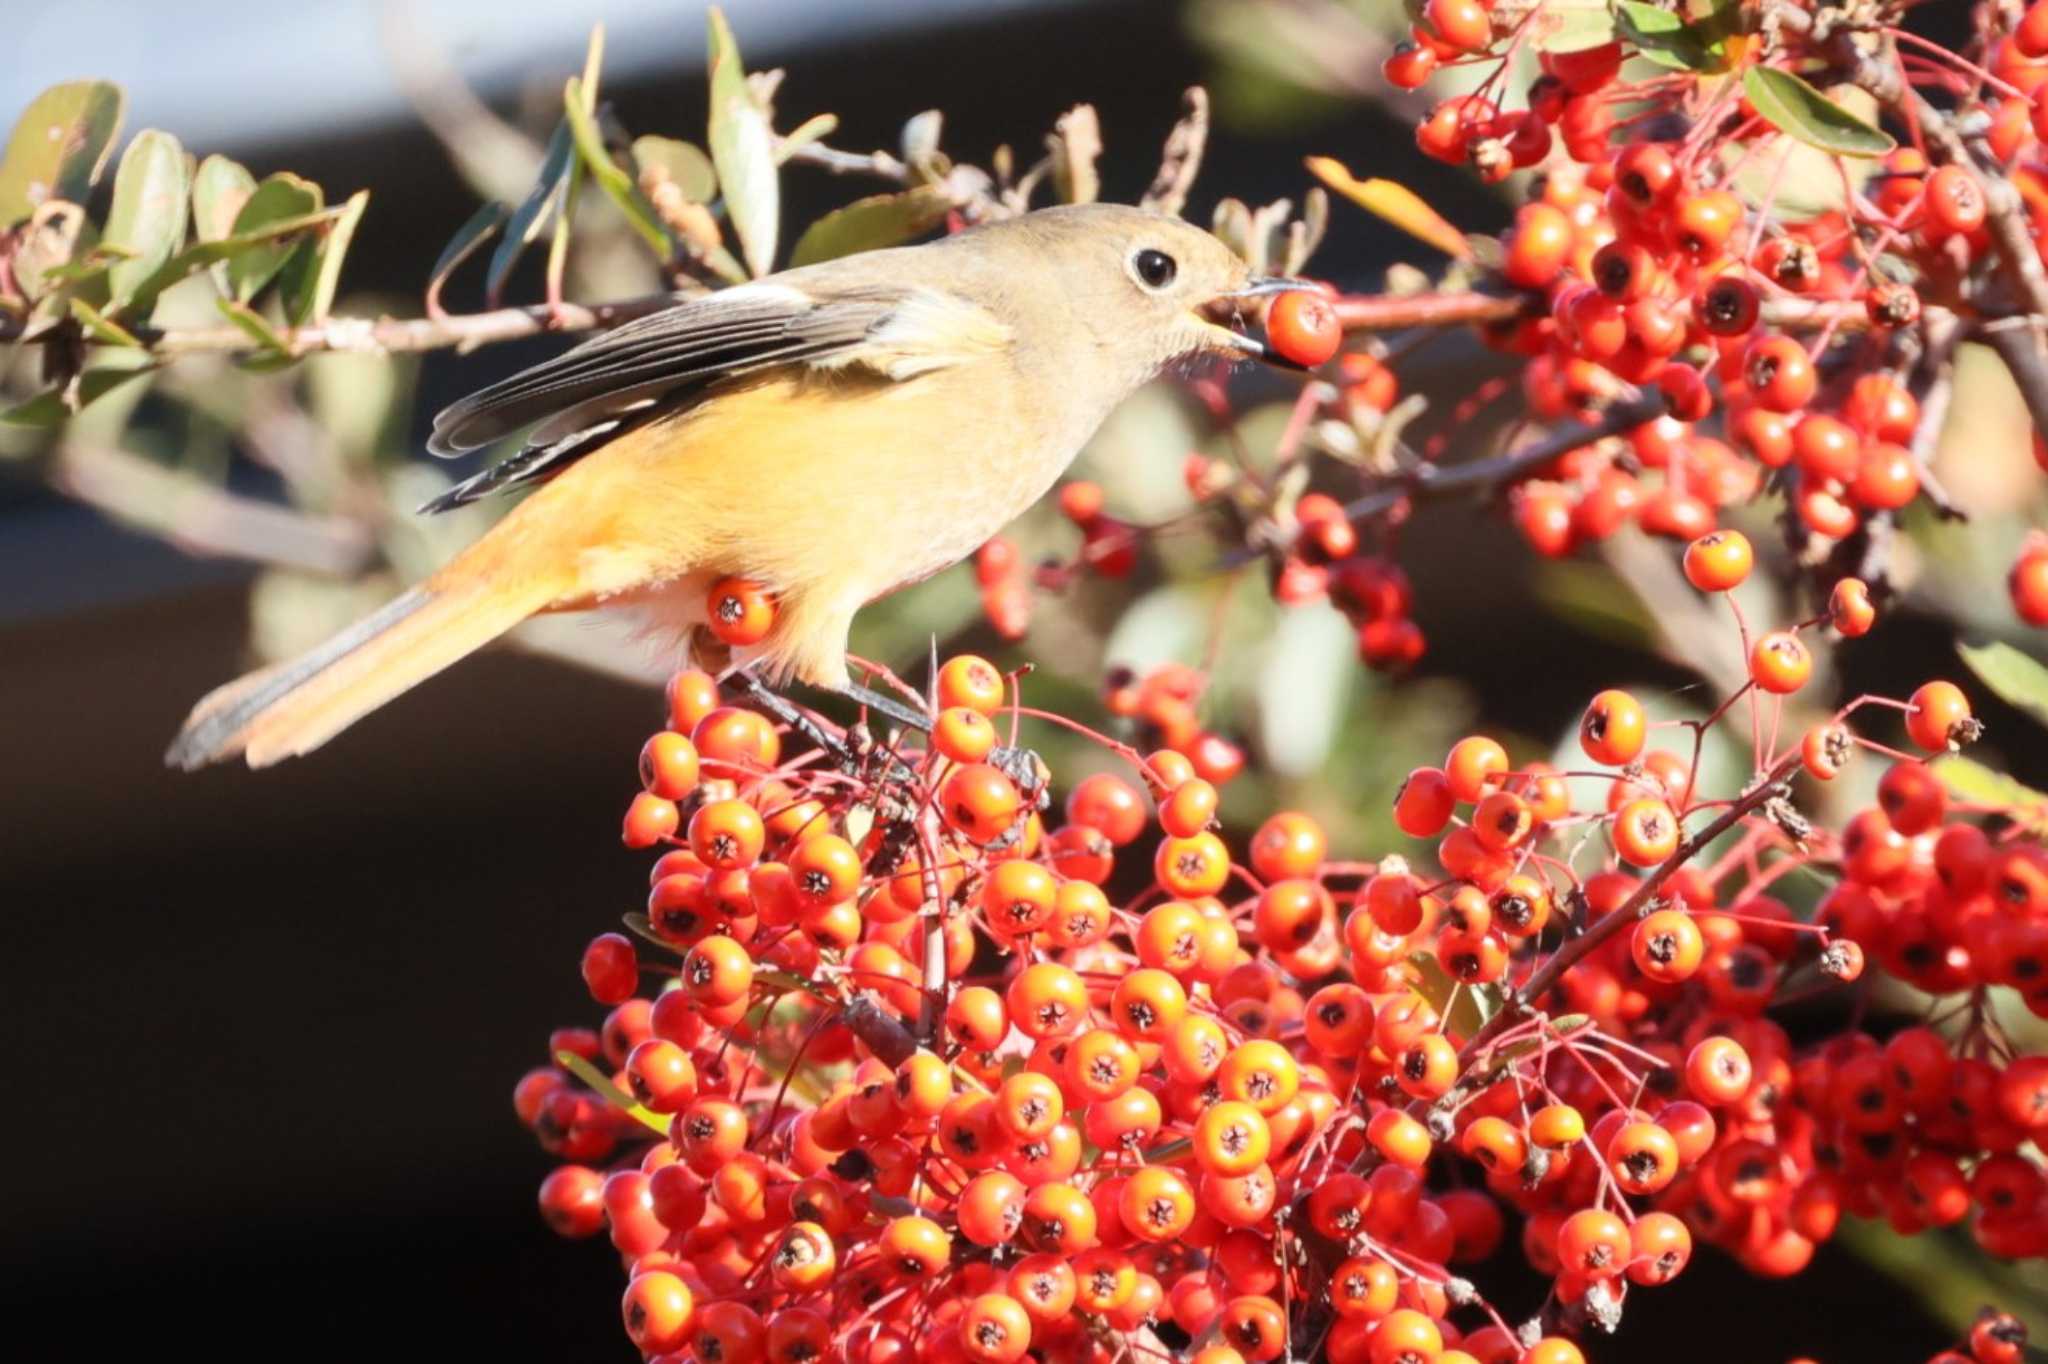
x: 1303, y: 327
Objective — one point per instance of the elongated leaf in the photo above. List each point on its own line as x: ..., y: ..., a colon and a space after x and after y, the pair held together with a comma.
x: 1661, y: 36
x: 152, y: 191
x: 200, y: 255
x: 314, y: 298
x: 48, y: 409
x: 1971, y: 781
x: 102, y: 328
x: 2017, y: 679
x: 280, y: 198
x: 1795, y: 108
x: 682, y: 164
x: 1468, y: 1008
x: 743, y: 151
x: 467, y: 240
x: 1395, y: 203
x: 611, y: 177
x: 877, y: 221
x: 272, y: 348
x: 816, y: 128
x: 618, y: 1098
x: 59, y: 147
x: 532, y: 214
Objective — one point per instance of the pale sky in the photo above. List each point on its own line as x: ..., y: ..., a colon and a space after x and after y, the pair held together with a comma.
x: 213, y: 72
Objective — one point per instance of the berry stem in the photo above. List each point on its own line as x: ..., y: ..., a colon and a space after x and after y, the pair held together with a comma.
x: 1522, y: 1001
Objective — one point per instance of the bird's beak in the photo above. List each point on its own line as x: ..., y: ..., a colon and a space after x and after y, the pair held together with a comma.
x: 1229, y: 338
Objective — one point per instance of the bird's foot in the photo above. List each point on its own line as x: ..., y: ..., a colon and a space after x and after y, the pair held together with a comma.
x: 801, y: 721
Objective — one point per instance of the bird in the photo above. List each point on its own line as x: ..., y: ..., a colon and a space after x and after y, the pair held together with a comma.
x: 830, y: 433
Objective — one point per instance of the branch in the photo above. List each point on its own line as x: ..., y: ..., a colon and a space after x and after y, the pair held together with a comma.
x: 2016, y: 346
x: 1572, y: 952
x: 1880, y: 78
x: 386, y: 334
x: 1937, y: 366
x: 1396, y: 312
x: 1437, y: 480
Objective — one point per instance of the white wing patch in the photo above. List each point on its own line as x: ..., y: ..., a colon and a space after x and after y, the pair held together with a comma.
x: 929, y: 330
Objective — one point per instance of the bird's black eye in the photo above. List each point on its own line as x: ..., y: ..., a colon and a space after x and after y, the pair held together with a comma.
x: 1155, y: 268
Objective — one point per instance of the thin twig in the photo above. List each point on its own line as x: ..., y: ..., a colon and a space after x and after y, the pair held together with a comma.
x: 1437, y: 480
x: 1524, y: 1001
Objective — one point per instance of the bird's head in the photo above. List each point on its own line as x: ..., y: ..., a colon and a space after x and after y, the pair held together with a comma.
x: 1149, y: 288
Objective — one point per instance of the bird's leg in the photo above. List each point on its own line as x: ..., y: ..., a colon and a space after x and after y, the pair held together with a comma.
x: 793, y: 715
x: 894, y: 711
x: 1020, y: 765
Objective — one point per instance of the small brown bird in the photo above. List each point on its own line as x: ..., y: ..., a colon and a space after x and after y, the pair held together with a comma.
x: 831, y: 433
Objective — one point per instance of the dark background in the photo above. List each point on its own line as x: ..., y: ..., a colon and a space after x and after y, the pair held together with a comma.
x: 265, y: 1026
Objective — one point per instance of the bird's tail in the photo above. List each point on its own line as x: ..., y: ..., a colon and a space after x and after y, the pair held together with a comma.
x: 294, y: 707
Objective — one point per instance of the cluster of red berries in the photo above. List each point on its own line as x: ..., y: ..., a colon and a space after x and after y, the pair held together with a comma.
x: 1657, y: 258
x: 910, y: 1083
x: 1656, y: 269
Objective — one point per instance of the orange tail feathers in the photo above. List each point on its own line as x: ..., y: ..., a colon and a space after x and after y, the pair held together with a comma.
x: 293, y: 708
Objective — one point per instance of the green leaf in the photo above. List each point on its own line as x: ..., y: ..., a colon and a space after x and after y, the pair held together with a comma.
x: 313, y: 299
x: 683, y: 164
x: 611, y: 177
x: 49, y: 409
x: 532, y: 214
x: 1468, y: 1007
x: 2015, y: 678
x: 152, y: 191
x: 643, y: 927
x: 1795, y: 108
x: 1660, y: 36
x: 1573, y: 30
x: 202, y: 254
x: 100, y: 328
x: 618, y: 1098
x: 877, y: 221
x: 220, y: 190
x: 272, y: 348
x: 280, y: 198
x: 467, y: 239
x: 59, y: 147
x: 1976, y: 784
x: 816, y: 128
x: 743, y: 151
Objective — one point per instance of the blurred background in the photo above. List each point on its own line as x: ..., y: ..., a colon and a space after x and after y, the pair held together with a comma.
x: 267, y: 1025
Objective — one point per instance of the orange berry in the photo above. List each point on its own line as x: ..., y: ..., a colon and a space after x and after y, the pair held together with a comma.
x: 963, y: 734
x: 727, y: 835
x: 972, y: 681
x: 1303, y: 327
x: 739, y: 611
x: 1719, y: 561
x: 980, y: 801
x: 1940, y: 717
x: 1645, y: 832
x: 1613, y: 729
x: 1476, y: 764
x: 1779, y: 663
x: 1425, y: 803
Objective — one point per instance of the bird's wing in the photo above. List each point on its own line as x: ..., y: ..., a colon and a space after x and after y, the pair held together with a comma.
x: 587, y: 395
